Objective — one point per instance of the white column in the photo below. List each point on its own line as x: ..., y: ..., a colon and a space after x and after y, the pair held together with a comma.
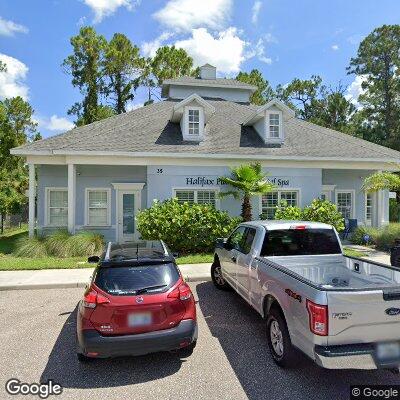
x: 379, y: 206
x: 31, y: 196
x: 71, y: 197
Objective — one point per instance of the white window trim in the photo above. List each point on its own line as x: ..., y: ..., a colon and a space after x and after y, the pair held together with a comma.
x: 47, y: 205
x: 298, y: 190
x: 98, y: 189
x: 353, y: 200
x: 268, y: 138
x: 185, y: 131
x: 195, y: 189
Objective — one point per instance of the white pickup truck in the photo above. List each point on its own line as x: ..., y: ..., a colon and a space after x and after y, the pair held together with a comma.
x: 342, y: 312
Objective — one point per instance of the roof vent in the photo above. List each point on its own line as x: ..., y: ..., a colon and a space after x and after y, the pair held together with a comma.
x: 207, y: 71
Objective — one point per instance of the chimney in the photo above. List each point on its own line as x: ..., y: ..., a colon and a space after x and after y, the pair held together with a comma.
x: 207, y: 71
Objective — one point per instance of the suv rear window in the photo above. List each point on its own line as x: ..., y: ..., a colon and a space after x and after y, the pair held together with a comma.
x: 292, y: 242
x: 132, y: 280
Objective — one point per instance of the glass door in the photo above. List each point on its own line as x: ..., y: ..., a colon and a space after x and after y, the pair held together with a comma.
x: 127, y: 209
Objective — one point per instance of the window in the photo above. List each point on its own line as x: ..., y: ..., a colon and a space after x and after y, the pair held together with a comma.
x: 248, y: 239
x: 368, y: 208
x: 199, y: 196
x: 344, y: 202
x: 97, y: 207
x: 274, y: 125
x: 57, y: 207
x: 292, y: 242
x: 194, y: 122
x: 270, y: 201
x: 236, y: 239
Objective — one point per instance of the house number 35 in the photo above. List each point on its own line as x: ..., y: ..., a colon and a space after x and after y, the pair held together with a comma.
x: 159, y: 170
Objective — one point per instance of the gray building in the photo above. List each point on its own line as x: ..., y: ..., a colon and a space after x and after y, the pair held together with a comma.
x: 100, y: 175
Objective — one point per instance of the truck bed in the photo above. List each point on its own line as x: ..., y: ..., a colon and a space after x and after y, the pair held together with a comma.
x: 339, y: 272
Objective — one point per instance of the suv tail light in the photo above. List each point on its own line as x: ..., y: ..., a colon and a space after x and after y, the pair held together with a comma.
x: 92, y: 298
x: 181, y: 292
x: 318, y: 315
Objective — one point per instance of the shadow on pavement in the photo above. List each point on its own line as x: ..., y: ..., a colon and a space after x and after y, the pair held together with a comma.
x: 64, y: 368
x: 241, y: 333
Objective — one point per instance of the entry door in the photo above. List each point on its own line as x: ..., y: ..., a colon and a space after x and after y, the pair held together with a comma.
x: 127, y: 208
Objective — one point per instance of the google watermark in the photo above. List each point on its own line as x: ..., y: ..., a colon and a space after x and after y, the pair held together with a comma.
x: 43, y: 390
x: 384, y: 392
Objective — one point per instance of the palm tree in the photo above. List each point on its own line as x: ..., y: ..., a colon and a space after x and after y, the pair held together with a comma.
x: 247, y: 180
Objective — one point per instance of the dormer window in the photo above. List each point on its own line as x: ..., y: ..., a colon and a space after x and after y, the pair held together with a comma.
x: 194, y: 122
x: 274, y: 125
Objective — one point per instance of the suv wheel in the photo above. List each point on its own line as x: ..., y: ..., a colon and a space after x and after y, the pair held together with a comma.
x: 188, y: 350
x: 216, y: 276
x: 279, y: 343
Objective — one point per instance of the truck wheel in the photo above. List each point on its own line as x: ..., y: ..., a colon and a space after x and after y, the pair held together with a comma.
x: 216, y: 276
x: 82, y: 358
x: 280, y: 346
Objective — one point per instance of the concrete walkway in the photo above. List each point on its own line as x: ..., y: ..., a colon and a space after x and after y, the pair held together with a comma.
x: 371, y: 254
x: 70, y: 278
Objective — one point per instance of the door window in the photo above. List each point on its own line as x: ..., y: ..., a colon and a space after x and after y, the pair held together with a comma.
x: 242, y: 239
x: 248, y: 239
x: 235, y: 240
x: 128, y: 213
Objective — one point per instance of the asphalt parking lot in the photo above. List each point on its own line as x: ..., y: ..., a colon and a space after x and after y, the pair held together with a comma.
x: 231, y: 360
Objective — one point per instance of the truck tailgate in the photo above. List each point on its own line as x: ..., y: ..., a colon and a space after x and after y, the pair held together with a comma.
x: 364, y: 316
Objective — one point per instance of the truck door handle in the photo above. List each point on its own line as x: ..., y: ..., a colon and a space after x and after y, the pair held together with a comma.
x: 233, y: 258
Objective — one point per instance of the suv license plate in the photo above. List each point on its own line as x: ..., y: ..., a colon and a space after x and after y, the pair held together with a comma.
x: 139, y: 319
x: 389, y: 351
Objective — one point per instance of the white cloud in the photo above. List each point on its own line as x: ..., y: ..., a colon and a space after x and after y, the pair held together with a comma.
x: 355, y: 89
x: 255, y: 11
x: 54, y: 123
x: 226, y: 51
x: 105, y: 8
x: 8, y: 28
x: 270, y: 38
x: 12, y: 81
x: 185, y: 15
x: 149, y: 48
x: 335, y: 47
x: 258, y: 50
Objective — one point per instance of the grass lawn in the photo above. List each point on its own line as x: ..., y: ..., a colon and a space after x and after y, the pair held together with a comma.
x: 8, y: 262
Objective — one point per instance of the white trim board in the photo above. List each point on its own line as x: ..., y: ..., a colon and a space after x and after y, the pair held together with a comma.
x: 128, y: 186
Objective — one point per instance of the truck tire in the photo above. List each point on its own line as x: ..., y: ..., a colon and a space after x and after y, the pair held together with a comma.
x: 279, y: 343
x: 216, y: 276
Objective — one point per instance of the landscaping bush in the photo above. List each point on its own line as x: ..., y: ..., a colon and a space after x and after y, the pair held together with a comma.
x: 394, y: 210
x: 184, y: 227
x: 357, y: 237
x: 60, y: 244
x: 318, y: 211
x: 283, y: 211
x: 386, y: 236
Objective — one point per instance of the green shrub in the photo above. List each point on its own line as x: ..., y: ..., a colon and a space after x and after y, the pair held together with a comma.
x: 394, y: 210
x: 31, y: 247
x: 283, y: 211
x: 57, y: 243
x: 318, y: 211
x: 386, y: 236
x: 85, y: 243
x: 185, y: 228
x: 324, y: 211
x: 61, y: 244
x: 357, y: 237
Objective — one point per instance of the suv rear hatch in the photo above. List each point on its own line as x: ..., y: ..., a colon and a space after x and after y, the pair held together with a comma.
x: 139, y: 299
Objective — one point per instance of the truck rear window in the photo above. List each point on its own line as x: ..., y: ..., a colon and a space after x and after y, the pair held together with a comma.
x: 132, y: 280
x: 292, y: 242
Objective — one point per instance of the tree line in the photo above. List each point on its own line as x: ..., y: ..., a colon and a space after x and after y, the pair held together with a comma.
x: 108, y: 74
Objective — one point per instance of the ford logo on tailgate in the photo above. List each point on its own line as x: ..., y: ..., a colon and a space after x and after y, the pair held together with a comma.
x: 392, y: 311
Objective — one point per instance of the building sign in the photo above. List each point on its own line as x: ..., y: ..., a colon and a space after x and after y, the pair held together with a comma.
x: 215, y: 181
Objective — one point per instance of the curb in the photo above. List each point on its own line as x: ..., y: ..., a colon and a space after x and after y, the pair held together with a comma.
x: 69, y: 285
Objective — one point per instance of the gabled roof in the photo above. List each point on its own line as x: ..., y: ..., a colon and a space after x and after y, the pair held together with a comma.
x: 218, y: 83
x: 177, y: 110
x: 261, y: 111
x: 149, y: 131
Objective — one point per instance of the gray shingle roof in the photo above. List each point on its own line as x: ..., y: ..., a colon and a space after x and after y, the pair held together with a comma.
x: 148, y: 129
x: 188, y: 80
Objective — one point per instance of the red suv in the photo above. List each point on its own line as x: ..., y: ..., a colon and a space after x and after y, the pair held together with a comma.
x: 137, y: 303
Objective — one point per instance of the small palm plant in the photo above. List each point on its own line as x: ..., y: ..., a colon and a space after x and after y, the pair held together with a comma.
x: 247, y: 181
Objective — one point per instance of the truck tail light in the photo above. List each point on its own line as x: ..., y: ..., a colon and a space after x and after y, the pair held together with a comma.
x: 318, y: 315
x: 92, y: 298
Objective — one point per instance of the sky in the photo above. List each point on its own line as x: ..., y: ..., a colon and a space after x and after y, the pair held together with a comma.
x: 284, y: 39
